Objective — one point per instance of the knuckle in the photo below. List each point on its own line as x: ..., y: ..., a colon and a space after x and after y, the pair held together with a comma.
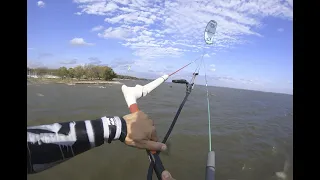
x: 154, y: 129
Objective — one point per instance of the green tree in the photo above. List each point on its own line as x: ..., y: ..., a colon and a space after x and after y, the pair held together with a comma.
x: 89, y: 71
x: 28, y: 70
x: 79, y: 72
x: 101, y: 71
x: 108, y: 74
x: 71, y: 72
x: 95, y: 72
x: 41, y: 71
x: 92, y: 71
x: 63, y: 72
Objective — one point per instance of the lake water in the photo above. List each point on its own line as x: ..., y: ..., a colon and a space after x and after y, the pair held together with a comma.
x: 252, y: 132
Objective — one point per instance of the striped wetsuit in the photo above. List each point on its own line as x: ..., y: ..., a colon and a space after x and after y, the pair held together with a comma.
x: 49, y: 145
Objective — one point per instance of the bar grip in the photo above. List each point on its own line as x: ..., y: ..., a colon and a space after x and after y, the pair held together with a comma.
x: 158, y: 167
x: 210, y: 168
x: 131, y: 94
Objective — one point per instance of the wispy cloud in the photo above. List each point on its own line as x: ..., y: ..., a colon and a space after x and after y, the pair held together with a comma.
x: 44, y: 55
x: 34, y: 63
x: 94, y: 60
x: 80, y: 42
x: 212, y: 67
x: 224, y: 78
x: 97, y: 28
x: 155, y: 29
x: 67, y: 62
x: 229, y: 79
x: 121, y: 63
x: 206, y: 55
x: 280, y: 29
x: 247, y: 81
x: 41, y: 4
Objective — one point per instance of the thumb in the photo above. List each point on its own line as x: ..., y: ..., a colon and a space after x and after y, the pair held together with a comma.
x: 155, y: 146
x: 166, y: 175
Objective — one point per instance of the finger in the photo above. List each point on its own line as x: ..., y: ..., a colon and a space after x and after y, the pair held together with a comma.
x: 143, y: 115
x: 150, y: 122
x: 154, y: 136
x: 166, y: 175
x: 167, y: 152
x: 154, y: 146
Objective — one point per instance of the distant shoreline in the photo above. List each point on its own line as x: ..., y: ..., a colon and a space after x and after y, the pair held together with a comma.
x: 69, y: 81
x: 117, y: 81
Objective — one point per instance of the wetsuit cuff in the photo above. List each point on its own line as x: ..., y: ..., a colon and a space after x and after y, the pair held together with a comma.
x: 123, y: 133
x: 115, y: 128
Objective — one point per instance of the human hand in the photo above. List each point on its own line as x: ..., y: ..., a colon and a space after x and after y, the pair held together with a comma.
x: 166, y: 175
x: 141, y: 132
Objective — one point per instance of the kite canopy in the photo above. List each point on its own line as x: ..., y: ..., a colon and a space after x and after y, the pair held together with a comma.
x: 210, y: 31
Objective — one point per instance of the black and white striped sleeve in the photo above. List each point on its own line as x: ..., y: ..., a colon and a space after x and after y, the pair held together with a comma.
x: 49, y: 145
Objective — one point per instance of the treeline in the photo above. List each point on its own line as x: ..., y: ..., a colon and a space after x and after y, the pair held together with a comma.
x: 88, y: 72
x: 129, y: 77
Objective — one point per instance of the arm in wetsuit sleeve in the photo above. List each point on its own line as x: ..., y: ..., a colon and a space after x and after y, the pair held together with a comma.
x: 49, y: 145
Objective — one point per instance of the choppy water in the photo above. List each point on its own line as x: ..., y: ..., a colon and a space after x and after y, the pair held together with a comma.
x: 252, y: 132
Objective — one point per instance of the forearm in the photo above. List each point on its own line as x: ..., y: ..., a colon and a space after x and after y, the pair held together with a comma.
x: 49, y: 145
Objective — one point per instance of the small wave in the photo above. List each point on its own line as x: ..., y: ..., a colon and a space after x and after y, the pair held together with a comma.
x: 97, y: 87
x: 40, y: 95
x: 281, y: 175
x: 274, y: 150
x: 245, y: 168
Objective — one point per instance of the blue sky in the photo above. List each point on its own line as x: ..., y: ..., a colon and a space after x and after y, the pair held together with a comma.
x: 252, y: 46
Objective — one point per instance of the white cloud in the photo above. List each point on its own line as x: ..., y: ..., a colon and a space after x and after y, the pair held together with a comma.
x: 247, y: 81
x: 34, y: 64
x: 280, y: 29
x: 224, y: 78
x: 116, y: 33
x: 97, y: 28
x: 94, y: 60
x: 121, y: 63
x: 72, y: 61
x: 79, y: 42
x: 44, y: 55
x: 96, y: 7
x: 239, y: 82
x: 212, y: 67
x: 290, y: 2
x: 171, y: 28
x: 206, y: 56
x: 41, y: 4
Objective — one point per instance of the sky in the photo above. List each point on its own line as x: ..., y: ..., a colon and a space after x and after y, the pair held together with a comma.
x: 252, y: 47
